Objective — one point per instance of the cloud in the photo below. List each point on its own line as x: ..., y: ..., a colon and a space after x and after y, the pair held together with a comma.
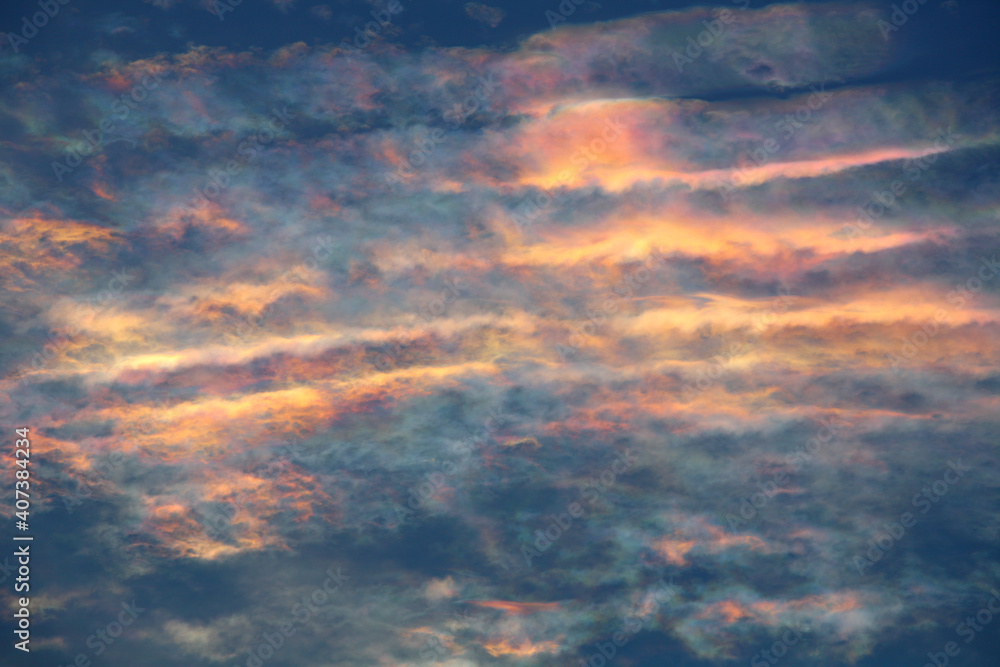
x: 258, y: 435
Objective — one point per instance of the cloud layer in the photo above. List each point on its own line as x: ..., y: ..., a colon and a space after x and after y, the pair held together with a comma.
x: 403, y: 311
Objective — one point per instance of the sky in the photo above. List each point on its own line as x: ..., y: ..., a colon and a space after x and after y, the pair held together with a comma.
x: 426, y: 332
